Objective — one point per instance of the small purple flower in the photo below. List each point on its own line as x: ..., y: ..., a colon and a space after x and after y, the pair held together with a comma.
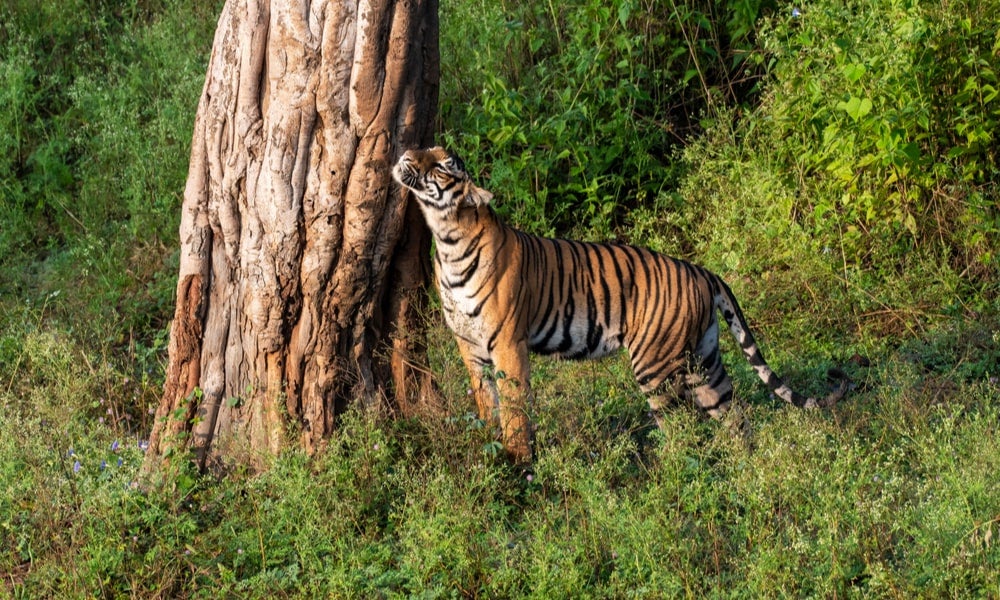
x: 143, y: 445
x: 120, y: 461
x: 114, y: 446
x: 796, y: 13
x: 375, y: 447
x: 104, y: 464
x: 530, y: 477
x: 70, y: 453
x: 100, y: 420
x: 76, y: 467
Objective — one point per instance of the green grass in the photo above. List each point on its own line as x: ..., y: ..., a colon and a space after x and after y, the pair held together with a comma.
x: 891, y: 494
x: 715, y: 148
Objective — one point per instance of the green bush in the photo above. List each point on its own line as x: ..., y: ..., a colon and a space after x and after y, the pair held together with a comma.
x: 569, y: 111
x: 839, y: 205
x: 884, y: 116
x: 96, y: 110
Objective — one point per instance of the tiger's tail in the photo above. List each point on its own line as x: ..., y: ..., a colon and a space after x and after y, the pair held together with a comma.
x: 726, y: 302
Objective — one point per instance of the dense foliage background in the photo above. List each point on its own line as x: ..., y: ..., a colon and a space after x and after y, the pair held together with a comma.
x: 835, y: 160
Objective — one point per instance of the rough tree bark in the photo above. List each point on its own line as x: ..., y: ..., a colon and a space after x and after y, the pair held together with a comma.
x: 301, y: 266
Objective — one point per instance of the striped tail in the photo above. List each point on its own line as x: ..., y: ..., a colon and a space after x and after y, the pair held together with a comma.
x: 726, y: 302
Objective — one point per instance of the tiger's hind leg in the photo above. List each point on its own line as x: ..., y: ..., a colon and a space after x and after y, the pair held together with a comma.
x: 713, y: 395
x: 696, y: 375
x: 664, y: 397
x: 706, y: 379
x: 664, y: 390
x: 712, y: 391
x: 699, y: 377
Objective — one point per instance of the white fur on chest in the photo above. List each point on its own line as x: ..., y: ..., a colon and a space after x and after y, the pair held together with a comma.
x: 459, y: 311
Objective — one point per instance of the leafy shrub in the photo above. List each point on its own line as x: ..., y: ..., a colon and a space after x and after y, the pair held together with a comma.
x: 572, y: 123
x: 885, y: 115
x: 96, y: 110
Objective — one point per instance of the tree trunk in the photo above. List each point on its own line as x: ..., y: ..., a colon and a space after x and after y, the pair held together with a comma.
x: 302, y: 267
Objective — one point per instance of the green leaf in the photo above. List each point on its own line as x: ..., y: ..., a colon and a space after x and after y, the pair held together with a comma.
x: 623, y: 13
x: 911, y: 151
x: 854, y: 72
x: 536, y: 43
x: 856, y: 107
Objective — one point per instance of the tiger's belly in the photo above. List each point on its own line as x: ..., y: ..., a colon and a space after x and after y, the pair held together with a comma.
x: 574, y: 334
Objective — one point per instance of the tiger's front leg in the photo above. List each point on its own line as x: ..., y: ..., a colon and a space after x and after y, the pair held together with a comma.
x: 513, y: 377
x: 483, y: 390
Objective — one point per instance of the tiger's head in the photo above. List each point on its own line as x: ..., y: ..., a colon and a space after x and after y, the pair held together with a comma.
x: 439, y: 181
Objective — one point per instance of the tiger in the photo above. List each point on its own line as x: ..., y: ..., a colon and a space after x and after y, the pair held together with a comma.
x: 505, y: 292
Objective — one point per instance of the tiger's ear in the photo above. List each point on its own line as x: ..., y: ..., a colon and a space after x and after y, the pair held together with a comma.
x: 476, y: 196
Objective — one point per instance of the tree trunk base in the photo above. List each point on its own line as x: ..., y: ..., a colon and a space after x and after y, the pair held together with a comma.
x: 302, y: 267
